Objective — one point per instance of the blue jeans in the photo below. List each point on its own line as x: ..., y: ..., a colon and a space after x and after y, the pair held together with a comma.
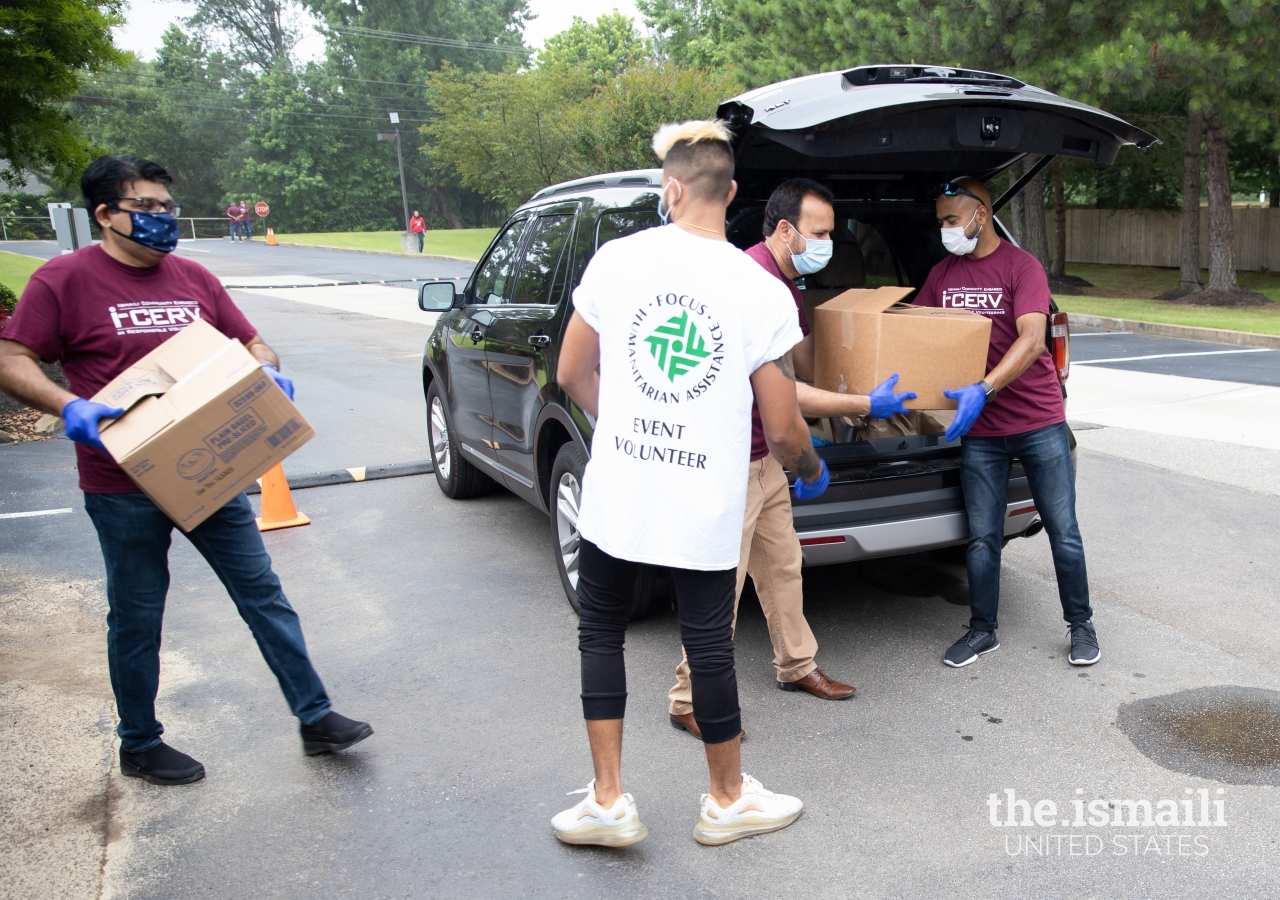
x: 246, y: 230
x: 984, y: 474
x: 135, y: 537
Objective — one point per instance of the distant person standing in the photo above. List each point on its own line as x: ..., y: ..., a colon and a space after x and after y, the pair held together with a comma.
x: 233, y: 217
x: 418, y: 226
x: 246, y: 221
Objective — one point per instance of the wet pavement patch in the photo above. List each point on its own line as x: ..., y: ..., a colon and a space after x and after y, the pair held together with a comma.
x: 1229, y: 734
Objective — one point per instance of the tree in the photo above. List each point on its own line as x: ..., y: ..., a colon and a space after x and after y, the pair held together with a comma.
x: 258, y: 32
x: 1220, y: 57
x: 505, y: 135
x: 695, y: 34
x: 614, y: 127
x: 47, y: 48
x: 603, y: 49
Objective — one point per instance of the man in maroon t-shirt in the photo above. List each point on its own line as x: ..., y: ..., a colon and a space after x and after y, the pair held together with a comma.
x: 798, y: 220
x: 1016, y: 412
x: 98, y: 311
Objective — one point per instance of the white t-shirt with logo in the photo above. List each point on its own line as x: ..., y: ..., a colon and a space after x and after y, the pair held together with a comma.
x: 683, y: 322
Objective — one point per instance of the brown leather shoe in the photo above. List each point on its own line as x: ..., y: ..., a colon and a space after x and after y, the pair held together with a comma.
x: 687, y: 723
x: 819, y: 685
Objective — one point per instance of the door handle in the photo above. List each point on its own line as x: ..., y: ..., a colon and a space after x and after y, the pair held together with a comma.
x: 540, y: 340
x: 477, y: 336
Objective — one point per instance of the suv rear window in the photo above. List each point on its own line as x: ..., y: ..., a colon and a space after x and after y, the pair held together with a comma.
x: 622, y: 222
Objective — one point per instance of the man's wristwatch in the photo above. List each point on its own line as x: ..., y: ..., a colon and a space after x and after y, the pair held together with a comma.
x: 988, y: 390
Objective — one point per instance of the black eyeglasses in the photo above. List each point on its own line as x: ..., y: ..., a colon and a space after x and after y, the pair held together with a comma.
x: 951, y: 189
x: 149, y: 205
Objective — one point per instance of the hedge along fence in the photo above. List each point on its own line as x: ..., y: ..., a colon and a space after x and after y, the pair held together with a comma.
x: 1150, y: 237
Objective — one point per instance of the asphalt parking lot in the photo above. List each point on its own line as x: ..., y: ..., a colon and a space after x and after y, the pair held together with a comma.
x: 443, y: 624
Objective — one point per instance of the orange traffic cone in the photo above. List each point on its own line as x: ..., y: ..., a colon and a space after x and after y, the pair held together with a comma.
x: 271, y: 238
x: 278, y: 510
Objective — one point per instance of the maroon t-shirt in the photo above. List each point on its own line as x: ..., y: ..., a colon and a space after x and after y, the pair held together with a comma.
x: 761, y: 254
x: 98, y: 317
x: 1002, y: 286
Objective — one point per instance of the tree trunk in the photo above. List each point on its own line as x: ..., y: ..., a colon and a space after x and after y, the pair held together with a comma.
x: 1273, y: 197
x: 1189, y: 277
x: 1036, y: 241
x: 1059, y: 268
x: 1222, y: 264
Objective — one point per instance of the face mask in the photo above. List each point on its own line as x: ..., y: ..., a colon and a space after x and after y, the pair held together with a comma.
x: 159, y: 231
x: 955, y: 240
x: 665, y: 215
x: 815, y: 257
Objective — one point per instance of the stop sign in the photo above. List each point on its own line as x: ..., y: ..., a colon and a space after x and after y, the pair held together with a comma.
x: 261, y: 208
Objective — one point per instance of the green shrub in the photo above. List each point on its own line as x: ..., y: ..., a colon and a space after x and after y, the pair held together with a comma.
x: 8, y: 299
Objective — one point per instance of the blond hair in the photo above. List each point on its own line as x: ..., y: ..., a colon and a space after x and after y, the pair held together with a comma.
x: 693, y: 132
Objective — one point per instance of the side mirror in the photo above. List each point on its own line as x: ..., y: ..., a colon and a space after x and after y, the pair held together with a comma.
x: 436, y: 296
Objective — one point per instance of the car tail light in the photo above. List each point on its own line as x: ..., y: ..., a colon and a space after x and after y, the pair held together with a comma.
x: 1060, y: 344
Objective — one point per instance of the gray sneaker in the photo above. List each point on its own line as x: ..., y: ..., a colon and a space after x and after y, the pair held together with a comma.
x: 1084, y: 644
x: 970, y: 647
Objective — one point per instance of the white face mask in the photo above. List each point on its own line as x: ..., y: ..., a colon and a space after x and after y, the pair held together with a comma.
x: 665, y: 214
x: 957, y: 242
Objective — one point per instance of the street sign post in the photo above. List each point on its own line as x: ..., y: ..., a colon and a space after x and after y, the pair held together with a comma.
x: 261, y: 209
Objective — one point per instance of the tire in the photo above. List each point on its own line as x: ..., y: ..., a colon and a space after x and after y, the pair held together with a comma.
x: 457, y: 478
x: 566, y: 542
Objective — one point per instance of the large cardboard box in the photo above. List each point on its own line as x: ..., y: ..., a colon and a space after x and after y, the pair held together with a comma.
x: 203, y: 422
x: 863, y: 336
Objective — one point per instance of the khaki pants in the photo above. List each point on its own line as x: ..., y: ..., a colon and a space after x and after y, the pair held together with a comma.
x: 771, y: 554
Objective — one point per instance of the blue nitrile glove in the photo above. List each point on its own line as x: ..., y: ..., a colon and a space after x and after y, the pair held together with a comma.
x: 885, y: 403
x: 807, y: 490
x: 286, y: 384
x: 970, y: 400
x: 80, y: 418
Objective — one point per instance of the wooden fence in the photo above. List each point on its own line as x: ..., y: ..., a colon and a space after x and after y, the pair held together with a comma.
x: 1149, y: 237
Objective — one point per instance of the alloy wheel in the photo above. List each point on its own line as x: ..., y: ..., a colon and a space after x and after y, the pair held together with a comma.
x: 440, y: 439
x: 568, y: 497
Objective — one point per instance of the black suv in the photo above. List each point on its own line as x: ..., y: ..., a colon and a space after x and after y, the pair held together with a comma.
x: 882, y: 138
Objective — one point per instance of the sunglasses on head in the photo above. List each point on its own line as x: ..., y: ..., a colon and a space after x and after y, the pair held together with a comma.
x: 951, y: 189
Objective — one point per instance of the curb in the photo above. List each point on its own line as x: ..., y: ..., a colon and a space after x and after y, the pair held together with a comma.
x: 1186, y: 332
x: 376, y: 252
x: 352, y: 475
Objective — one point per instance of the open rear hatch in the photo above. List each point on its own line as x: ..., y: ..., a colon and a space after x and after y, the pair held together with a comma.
x: 895, y: 132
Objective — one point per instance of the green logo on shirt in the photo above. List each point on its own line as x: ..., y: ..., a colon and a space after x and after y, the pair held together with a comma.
x: 677, y: 346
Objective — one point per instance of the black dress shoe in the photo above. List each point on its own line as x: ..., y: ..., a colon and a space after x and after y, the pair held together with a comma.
x: 161, y: 765
x: 333, y: 732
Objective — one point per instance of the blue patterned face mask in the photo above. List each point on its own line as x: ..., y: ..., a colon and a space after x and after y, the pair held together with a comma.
x: 159, y: 231
x: 665, y: 214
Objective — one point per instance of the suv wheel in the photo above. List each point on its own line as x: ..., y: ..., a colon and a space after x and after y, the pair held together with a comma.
x: 457, y: 477
x: 566, y: 498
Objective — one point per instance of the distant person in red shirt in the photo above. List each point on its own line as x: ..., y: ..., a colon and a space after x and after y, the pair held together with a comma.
x: 246, y: 221
x: 233, y: 218
x: 1016, y: 412
x: 418, y: 226
x: 98, y: 311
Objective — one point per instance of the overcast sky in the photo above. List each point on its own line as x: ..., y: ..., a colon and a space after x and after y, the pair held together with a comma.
x: 148, y: 19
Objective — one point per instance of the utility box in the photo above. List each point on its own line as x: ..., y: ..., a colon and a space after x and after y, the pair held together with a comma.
x: 409, y: 242
x: 202, y: 422
x: 71, y: 226
x: 863, y: 336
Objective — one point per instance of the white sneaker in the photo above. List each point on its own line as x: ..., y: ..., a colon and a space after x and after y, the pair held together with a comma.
x: 757, y: 811
x: 591, y: 823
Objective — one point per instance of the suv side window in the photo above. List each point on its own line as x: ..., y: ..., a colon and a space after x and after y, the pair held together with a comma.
x: 618, y: 223
x: 542, y: 273
x: 493, y: 280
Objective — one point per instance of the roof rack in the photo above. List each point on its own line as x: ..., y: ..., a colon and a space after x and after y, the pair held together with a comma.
x: 631, y: 178
x: 900, y: 74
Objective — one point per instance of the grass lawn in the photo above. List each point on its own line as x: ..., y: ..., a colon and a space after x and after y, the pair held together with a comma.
x: 464, y: 243
x: 15, y: 270
x: 1125, y: 292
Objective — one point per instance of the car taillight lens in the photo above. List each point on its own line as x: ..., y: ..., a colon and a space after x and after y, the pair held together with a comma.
x: 1060, y: 345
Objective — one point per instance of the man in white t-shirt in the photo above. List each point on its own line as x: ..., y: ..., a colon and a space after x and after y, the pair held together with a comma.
x: 683, y: 327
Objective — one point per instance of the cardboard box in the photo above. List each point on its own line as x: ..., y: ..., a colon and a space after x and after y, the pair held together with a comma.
x: 204, y: 422
x: 863, y: 336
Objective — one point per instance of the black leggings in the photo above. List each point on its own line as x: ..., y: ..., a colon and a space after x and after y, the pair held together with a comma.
x: 605, y: 589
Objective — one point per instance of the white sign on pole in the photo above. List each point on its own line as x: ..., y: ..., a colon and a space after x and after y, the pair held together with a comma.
x: 395, y: 118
